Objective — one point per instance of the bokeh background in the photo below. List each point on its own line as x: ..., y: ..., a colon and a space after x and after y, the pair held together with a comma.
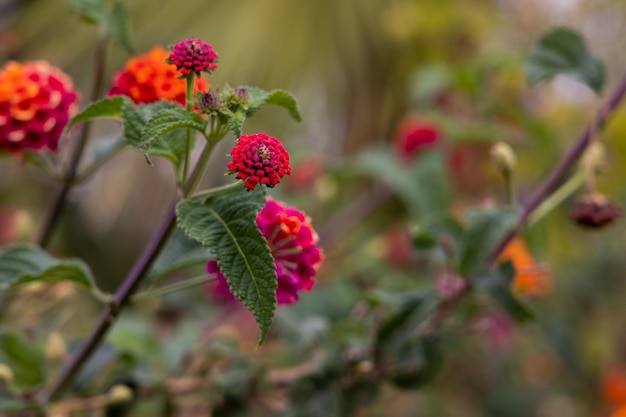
x: 358, y: 69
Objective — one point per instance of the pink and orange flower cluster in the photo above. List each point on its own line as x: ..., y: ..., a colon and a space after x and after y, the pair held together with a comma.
x: 294, y: 245
x: 36, y: 102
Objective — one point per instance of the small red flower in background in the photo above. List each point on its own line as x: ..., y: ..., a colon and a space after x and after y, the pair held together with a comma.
x: 293, y: 243
x: 36, y: 102
x: 259, y: 159
x: 148, y: 78
x: 414, y: 136
x: 193, y: 55
x: 307, y: 172
x: 530, y: 278
x: 398, y: 247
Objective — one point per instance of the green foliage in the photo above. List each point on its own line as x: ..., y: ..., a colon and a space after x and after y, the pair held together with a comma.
x: 411, y: 359
x: 109, y: 14
x: 166, y: 121
x: 24, y: 358
x: 484, y: 228
x: 235, y: 122
x: 27, y: 263
x: 421, y: 185
x: 110, y: 107
x: 226, y: 225
x: 497, y: 284
x: 281, y: 98
x: 563, y: 51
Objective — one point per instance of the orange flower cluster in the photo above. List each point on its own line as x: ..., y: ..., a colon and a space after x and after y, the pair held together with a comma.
x: 148, y: 78
x: 36, y: 101
x: 530, y: 279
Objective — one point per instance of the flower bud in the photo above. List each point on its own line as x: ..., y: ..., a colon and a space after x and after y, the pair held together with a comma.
x: 210, y: 103
x: 6, y: 375
x: 504, y: 159
x: 120, y: 394
x: 56, y: 349
x: 593, y: 211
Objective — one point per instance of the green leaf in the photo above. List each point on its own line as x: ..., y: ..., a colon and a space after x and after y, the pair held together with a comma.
x: 135, y: 119
x: 484, y: 229
x: 117, y: 24
x: 235, y: 122
x: 24, y: 359
x: 226, y: 225
x: 107, y: 108
x: 285, y: 100
x: 170, y: 145
x: 90, y: 10
x: 26, y: 263
x: 497, y: 284
x: 167, y: 121
x: 112, y: 15
x: 282, y: 98
x: 428, y: 360
x: 413, y: 359
x: 563, y: 51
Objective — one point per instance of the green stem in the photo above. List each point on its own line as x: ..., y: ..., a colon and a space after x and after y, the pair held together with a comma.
x: 189, y: 106
x: 168, y: 289
x: 509, y: 188
x: 556, y: 198
x: 211, y: 191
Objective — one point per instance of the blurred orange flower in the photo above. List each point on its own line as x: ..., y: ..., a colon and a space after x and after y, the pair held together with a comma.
x: 148, y: 78
x: 530, y: 279
x: 614, y: 387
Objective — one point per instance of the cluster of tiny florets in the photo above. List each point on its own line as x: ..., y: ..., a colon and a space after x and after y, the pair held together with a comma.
x: 148, y: 78
x: 294, y: 246
x: 259, y: 159
x: 36, y: 102
x: 193, y: 55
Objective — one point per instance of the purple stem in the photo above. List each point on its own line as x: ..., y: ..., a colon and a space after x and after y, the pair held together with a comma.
x: 569, y: 160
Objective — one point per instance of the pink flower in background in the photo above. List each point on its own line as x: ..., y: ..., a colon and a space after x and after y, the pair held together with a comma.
x: 36, y: 102
x: 193, y: 55
x: 294, y: 245
x: 414, y: 136
x: 259, y: 159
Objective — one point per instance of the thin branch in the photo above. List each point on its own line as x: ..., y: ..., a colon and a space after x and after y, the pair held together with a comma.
x: 565, y: 165
x: 126, y: 289
x: 60, y: 200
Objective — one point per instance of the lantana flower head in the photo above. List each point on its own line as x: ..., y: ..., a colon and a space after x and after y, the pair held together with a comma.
x: 414, y: 136
x: 148, y: 78
x: 294, y: 245
x: 193, y: 55
x: 259, y: 159
x: 36, y: 102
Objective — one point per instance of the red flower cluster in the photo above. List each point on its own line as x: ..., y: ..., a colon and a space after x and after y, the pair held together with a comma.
x: 259, y: 159
x: 293, y: 243
x: 36, y: 102
x: 148, y: 78
x: 414, y: 136
x: 193, y: 55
